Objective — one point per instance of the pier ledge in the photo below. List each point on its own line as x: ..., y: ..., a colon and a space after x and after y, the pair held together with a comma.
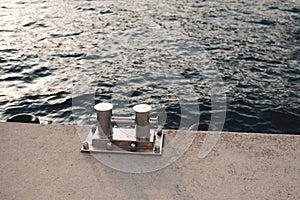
x: 45, y: 162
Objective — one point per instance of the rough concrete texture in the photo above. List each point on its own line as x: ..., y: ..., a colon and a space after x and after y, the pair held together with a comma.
x: 44, y: 162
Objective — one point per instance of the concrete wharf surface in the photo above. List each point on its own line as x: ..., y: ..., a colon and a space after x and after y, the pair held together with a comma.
x: 45, y: 162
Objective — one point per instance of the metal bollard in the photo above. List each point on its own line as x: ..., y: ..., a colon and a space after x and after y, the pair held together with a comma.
x: 104, y: 113
x: 142, y: 118
x: 111, y: 138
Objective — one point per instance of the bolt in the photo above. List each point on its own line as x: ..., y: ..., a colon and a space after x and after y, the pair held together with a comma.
x: 132, y: 146
x: 159, y: 132
x: 93, y: 129
x: 157, y: 149
x: 85, y: 145
x: 109, y: 145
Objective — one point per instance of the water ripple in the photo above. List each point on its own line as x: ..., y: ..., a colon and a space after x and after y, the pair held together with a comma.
x: 134, y: 52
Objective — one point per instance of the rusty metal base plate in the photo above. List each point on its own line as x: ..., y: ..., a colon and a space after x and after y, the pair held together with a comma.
x: 124, y: 142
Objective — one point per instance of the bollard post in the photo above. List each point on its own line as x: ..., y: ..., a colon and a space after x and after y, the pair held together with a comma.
x: 142, y: 118
x: 104, y: 113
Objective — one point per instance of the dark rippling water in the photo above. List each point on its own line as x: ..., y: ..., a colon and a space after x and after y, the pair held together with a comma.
x: 57, y: 58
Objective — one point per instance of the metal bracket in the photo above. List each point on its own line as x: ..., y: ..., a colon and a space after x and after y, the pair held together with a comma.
x: 124, y: 141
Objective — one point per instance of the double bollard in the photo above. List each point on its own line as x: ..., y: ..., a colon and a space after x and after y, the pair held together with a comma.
x: 108, y: 136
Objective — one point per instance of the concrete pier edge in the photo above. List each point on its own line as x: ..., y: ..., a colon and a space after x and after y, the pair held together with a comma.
x: 45, y: 162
